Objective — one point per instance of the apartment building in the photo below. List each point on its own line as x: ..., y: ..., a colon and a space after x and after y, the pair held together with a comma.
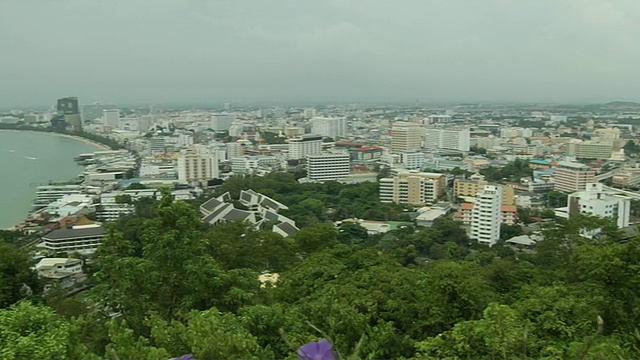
x: 328, y: 167
x: 572, y: 176
x: 472, y: 187
x: 302, y: 146
x: 448, y: 139
x: 198, y: 163
x: 590, y: 150
x: 329, y: 127
x: 405, y: 137
x: 413, y: 188
x: 486, y: 216
x: 508, y: 214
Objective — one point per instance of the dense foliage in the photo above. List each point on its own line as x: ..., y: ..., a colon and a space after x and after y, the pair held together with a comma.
x: 167, y: 285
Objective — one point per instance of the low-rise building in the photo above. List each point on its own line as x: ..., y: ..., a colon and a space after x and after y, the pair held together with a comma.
x: 595, y: 200
x: 83, y: 239
x: 472, y: 187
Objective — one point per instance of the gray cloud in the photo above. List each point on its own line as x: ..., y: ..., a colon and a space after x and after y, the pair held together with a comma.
x: 337, y: 50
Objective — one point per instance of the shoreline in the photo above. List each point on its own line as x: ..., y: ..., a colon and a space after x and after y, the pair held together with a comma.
x: 102, y: 147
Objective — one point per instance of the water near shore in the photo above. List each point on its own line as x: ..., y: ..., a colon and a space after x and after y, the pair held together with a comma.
x: 29, y: 159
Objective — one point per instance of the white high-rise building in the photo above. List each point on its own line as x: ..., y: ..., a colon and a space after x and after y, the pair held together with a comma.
x: 449, y: 139
x: 309, y: 113
x: 327, y: 167
x: 111, y: 117
x: 486, y: 215
x: 405, y: 137
x: 222, y: 122
x: 198, y: 163
x: 329, y: 127
x: 305, y: 145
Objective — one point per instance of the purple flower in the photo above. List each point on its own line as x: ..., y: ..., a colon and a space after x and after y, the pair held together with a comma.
x: 320, y: 350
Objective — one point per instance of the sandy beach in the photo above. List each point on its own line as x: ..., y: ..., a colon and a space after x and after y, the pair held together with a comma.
x: 79, y: 138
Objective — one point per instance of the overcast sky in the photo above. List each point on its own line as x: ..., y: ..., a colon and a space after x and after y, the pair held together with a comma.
x: 283, y: 51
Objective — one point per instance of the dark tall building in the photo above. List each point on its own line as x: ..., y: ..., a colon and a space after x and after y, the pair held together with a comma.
x: 68, y: 107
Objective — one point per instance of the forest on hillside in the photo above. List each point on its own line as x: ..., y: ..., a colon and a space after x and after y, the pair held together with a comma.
x: 165, y: 285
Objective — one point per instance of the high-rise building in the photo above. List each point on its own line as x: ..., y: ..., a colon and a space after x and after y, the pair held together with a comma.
x: 595, y: 200
x: 305, y: 145
x: 222, y: 122
x: 68, y: 107
x: 327, y: 167
x: 405, y: 137
x: 572, y: 176
x: 329, y: 127
x: 234, y: 149
x: 449, y: 139
x: 95, y: 111
x: 413, y: 188
x: 486, y: 215
x: 198, y: 163
x: 111, y: 118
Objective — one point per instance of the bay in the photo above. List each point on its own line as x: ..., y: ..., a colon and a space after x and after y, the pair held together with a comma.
x: 30, y: 159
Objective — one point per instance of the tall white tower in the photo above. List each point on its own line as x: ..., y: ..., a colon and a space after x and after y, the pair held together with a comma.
x: 485, y: 217
x: 111, y: 117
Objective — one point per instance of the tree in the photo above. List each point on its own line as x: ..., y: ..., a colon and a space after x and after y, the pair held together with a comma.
x: 352, y: 233
x: 29, y: 331
x: 509, y: 231
x: 315, y: 238
x: 17, y: 280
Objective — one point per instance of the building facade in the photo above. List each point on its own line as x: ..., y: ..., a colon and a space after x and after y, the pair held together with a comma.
x: 413, y: 188
x: 597, y: 201
x: 329, y: 127
x: 327, y: 167
x: 448, y: 139
x: 405, y: 137
x: 471, y: 188
x: 572, y: 176
x: 486, y: 215
x: 590, y: 150
x: 303, y: 146
x: 222, y: 122
x: 83, y: 239
x: 111, y: 118
x: 198, y: 163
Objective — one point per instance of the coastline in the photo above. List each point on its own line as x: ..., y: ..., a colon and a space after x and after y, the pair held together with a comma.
x: 102, y: 147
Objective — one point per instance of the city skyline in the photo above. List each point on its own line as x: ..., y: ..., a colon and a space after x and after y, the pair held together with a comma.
x: 315, y: 52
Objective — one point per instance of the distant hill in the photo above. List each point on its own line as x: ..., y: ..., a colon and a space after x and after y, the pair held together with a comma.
x: 626, y: 104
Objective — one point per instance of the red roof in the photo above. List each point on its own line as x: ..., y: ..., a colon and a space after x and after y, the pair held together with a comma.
x: 466, y: 206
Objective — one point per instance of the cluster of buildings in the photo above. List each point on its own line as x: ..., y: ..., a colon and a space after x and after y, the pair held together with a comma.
x: 429, y: 159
